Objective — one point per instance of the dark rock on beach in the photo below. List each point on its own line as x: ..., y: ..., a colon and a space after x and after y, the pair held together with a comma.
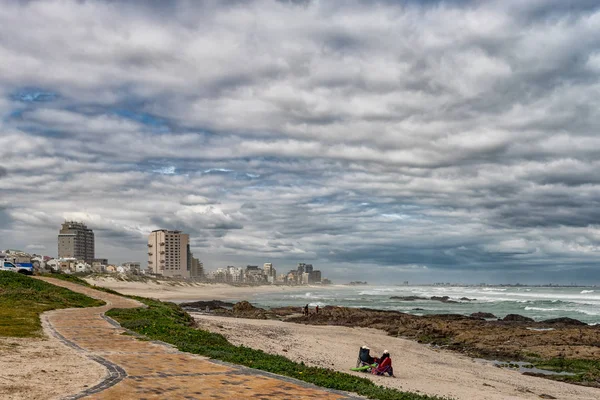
x: 408, y: 298
x: 201, y: 305
x: 244, y: 309
x: 443, y: 299
x: 517, y: 318
x: 467, y: 299
x: 563, y: 321
x: 484, y: 315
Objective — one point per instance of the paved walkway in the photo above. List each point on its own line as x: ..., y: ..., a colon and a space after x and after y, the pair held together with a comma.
x: 140, y: 369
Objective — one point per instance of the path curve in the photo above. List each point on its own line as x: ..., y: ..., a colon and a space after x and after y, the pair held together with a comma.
x: 139, y: 369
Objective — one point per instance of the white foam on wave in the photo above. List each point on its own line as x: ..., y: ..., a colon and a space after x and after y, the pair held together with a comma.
x: 586, y: 291
x: 375, y: 292
x: 543, y: 309
x: 586, y: 312
x: 307, y: 295
x: 582, y: 311
x: 592, y: 299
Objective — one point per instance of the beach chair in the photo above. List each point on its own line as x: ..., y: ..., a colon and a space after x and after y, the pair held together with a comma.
x: 364, y: 361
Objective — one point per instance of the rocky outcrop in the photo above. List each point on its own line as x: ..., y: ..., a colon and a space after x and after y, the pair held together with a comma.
x: 517, y: 318
x: 408, y: 298
x: 508, y: 338
x: 484, y: 315
x: 244, y: 309
x: 564, y: 321
x: 443, y: 299
x: 201, y: 305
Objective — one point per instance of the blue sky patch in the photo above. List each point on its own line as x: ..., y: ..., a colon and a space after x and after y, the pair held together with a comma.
x: 33, y: 95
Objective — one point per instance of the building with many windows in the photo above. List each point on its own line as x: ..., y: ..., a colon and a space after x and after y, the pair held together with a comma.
x: 168, y: 253
x: 270, y: 272
x: 76, y: 240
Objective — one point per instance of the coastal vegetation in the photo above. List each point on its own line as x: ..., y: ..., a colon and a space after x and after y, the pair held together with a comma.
x: 23, y: 299
x: 582, y: 372
x: 169, y: 323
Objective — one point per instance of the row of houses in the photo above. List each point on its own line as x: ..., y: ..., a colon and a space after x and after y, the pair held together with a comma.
x: 72, y: 265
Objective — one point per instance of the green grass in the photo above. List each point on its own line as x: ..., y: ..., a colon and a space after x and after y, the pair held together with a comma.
x: 23, y: 299
x: 586, y: 371
x: 167, y: 322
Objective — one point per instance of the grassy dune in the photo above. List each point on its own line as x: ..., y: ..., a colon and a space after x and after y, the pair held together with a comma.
x: 23, y: 299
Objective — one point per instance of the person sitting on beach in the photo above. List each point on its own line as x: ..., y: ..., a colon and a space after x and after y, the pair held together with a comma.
x: 384, y: 365
x: 365, y: 356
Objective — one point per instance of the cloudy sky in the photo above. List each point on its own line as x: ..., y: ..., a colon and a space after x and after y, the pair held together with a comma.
x: 378, y: 140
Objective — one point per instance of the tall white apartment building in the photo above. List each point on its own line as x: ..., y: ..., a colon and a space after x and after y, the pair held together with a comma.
x: 168, y: 253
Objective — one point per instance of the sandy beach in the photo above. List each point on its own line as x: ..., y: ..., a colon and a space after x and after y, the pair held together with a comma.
x: 44, y: 368
x: 418, y: 368
x: 180, y: 291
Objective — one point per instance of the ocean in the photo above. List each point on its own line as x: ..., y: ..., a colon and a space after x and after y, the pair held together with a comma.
x: 539, y: 303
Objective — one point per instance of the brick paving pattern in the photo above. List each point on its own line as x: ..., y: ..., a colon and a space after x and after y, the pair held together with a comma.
x: 139, y: 369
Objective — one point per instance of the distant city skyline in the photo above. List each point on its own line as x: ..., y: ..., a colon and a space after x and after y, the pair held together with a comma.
x: 427, y: 141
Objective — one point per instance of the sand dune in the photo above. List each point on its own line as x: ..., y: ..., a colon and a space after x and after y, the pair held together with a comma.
x: 174, y: 290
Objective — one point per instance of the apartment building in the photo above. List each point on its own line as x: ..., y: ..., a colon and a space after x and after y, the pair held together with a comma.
x: 197, y: 269
x: 76, y: 240
x: 168, y: 253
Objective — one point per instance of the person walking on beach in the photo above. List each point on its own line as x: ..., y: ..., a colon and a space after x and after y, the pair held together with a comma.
x: 306, y: 310
x: 317, y: 309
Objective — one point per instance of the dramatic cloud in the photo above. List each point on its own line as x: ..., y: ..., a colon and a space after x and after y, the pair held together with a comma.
x: 392, y: 140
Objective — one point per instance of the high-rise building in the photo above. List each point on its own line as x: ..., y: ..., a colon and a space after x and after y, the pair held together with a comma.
x: 270, y: 272
x: 314, y: 276
x: 254, y: 274
x: 168, y: 253
x: 76, y: 240
x: 302, y: 269
x: 197, y: 269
